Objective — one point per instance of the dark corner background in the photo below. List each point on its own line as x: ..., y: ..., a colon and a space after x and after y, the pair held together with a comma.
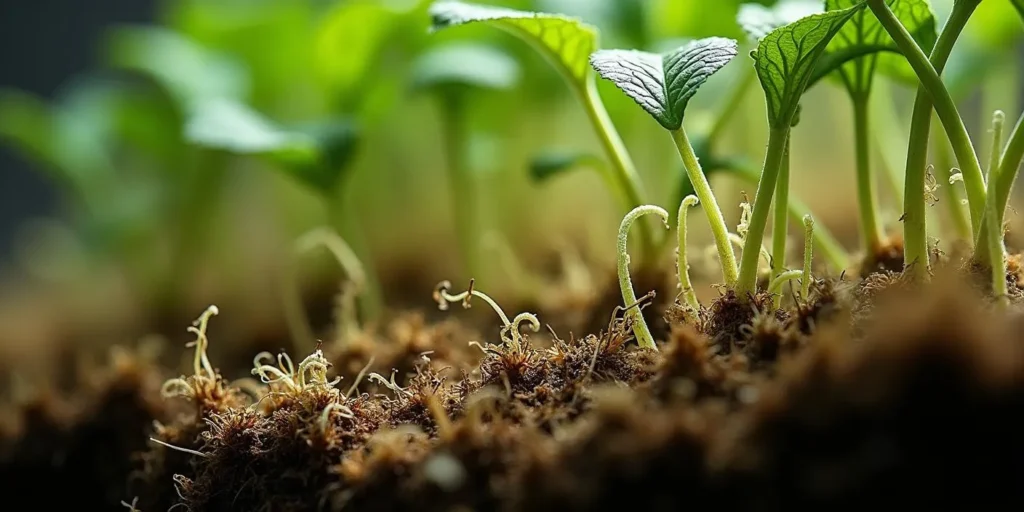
x: 45, y: 42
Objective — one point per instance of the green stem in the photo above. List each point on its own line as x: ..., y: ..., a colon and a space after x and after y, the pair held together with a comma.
x: 945, y: 107
x: 867, y: 198
x: 622, y: 164
x: 780, y: 225
x: 805, y: 283
x: 994, y: 246
x: 640, y: 330
x: 1009, y: 166
x: 461, y: 185
x: 835, y: 254
x: 776, y: 283
x: 682, y: 263
x: 778, y: 138
x: 707, y: 200
x: 943, y: 170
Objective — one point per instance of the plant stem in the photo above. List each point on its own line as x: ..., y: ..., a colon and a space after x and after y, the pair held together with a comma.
x: 640, y: 330
x: 682, y: 263
x: 867, y: 198
x: 461, y: 184
x: 943, y: 170
x: 746, y: 285
x: 835, y: 254
x: 931, y: 83
x: 994, y: 246
x: 1009, y: 166
x: 805, y: 283
x: 776, y: 283
x: 707, y: 200
x: 371, y: 300
x: 622, y: 164
x: 780, y: 224
x: 915, y: 236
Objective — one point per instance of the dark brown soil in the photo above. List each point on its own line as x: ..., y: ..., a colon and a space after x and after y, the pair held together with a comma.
x: 871, y: 392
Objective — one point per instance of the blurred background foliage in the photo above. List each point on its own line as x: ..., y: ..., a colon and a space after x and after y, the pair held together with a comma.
x: 200, y: 146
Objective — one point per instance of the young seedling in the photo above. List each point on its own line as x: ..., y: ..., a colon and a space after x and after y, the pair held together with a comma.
x: 932, y: 93
x: 452, y: 73
x: 785, y: 59
x: 567, y: 44
x: 663, y: 85
x: 995, y: 248
x: 1009, y: 166
x: 511, y: 335
x: 805, y: 283
x: 682, y: 263
x: 640, y: 329
x: 346, y: 318
x: 863, y: 33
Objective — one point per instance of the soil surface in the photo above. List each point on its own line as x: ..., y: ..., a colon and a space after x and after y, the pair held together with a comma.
x: 870, y: 392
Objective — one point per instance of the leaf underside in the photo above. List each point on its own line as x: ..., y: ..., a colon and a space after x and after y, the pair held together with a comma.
x: 663, y: 84
x: 785, y: 60
x: 758, y: 20
x: 864, y: 32
x: 566, y: 42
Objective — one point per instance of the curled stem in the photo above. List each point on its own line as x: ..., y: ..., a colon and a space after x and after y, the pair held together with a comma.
x: 805, y: 283
x: 201, y: 363
x: 510, y: 330
x: 683, y: 265
x: 640, y: 330
x: 783, y: 278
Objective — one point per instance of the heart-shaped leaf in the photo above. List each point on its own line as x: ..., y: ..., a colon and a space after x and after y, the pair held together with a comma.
x: 566, y: 42
x: 662, y: 84
x: 786, y: 57
x: 758, y: 20
x: 865, y: 35
x: 315, y: 154
x: 469, y: 65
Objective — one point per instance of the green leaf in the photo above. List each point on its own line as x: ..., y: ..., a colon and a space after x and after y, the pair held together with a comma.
x: 469, y: 65
x: 1019, y: 5
x: 315, y: 154
x: 552, y: 163
x: 662, y: 84
x: 758, y: 20
x: 189, y: 71
x: 566, y: 42
x: 785, y: 60
x: 347, y: 44
x: 865, y: 35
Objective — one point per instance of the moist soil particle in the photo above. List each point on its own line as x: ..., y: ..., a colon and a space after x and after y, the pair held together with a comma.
x: 869, y: 393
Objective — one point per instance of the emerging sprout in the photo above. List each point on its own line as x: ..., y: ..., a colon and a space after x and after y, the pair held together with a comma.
x: 683, y: 265
x: 994, y: 239
x: 190, y: 387
x: 510, y: 333
x: 640, y: 330
x: 805, y: 283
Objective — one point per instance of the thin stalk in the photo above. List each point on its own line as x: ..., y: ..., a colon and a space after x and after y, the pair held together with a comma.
x: 915, y: 239
x: 707, y: 200
x: 746, y: 285
x: 1009, y: 166
x: 780, y: 224
x: 997, y: 263
x: 622, y: 165
x: 942, y: 102
x: 775, y: 287
x: 835, y: 254
x: 640, y: 330
x: 867, y: 197
x: 805, y: 282
x: 461, y: 184
x: 682, y: 263
x: 943, y: 170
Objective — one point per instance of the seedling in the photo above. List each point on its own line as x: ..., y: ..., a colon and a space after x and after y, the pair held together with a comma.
x: 663, y: 85
x: 805, y: 283
x: 451, y: 73
x: 640, y: 330
x: 567, y: 44
x: 682, y: 262
x: 995, y: 248
x: 511, y: 336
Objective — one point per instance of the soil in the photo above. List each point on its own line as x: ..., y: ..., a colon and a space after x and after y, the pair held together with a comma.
x: 873, y: 391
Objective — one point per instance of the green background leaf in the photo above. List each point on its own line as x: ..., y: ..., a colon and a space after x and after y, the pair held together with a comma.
x: 786, y: 57
x: 566, y: 42
x: 663, y: 84
x: 758, y: 20
x: 472, y: 65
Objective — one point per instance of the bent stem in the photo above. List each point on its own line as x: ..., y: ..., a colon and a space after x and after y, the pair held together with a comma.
x: 805, y: 283
x: 622, y: 165
x: 682, y: 263
x: 707, y: 199
x: 640, y: 330
x: 747, y: 283
x: 778, y: 281
x: 915, y: 236
x: 945, y: 107
x: 994, y: 246
x: 780, y: 224
x: 867, y: 198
